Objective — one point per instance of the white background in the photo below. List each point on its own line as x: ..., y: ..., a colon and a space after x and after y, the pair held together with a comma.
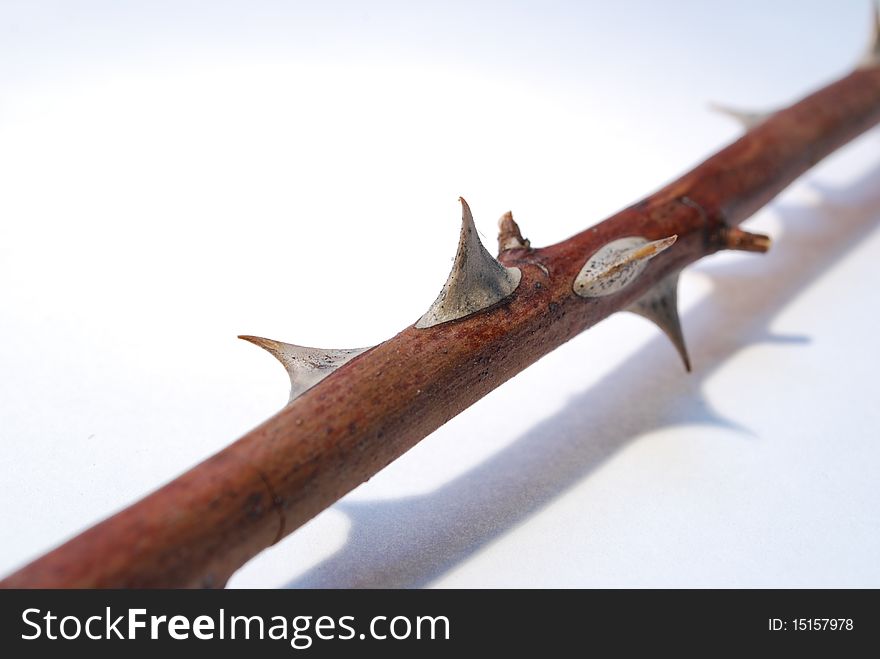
x: 173, y: 174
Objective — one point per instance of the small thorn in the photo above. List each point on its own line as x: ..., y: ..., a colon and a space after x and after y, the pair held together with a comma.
x: 872, y: 57
x: 660, y: 306
x: 744, y: 241
x: 615, y: 265
x: 477, y: 280
x: 305, y: 366
x: 509, y: 235
x: 747, y: 119
x: 653, y: 248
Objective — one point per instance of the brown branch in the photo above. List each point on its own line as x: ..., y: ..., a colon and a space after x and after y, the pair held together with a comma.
x: 202, y: 526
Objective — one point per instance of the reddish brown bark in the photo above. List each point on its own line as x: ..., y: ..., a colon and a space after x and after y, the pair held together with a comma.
x: 198, y: 529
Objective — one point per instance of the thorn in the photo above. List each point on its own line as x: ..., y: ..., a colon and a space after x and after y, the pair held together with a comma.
x: 477, y: 280
x: 744, y: 241
x: 509, y: 235
x: 653, y: 248
x: 660, y: 306
x: 615, y: 265
x: 872, y: 57
x: 747, y: 119
x: 305, y: 366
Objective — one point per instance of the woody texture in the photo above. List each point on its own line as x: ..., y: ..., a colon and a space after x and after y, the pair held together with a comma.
x: 353, y: 411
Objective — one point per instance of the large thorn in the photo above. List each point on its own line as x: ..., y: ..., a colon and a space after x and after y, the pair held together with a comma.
x: 305, y: 366
x: 660, y: 306
x: 615, y: 265
x: 477, y: 280
x: 872, y: 57
x: 747, y: 119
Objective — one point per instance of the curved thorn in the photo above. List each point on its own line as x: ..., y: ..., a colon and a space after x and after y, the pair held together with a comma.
x: 305, y: 366
x: 660, y: 306
x: 477, y: 280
